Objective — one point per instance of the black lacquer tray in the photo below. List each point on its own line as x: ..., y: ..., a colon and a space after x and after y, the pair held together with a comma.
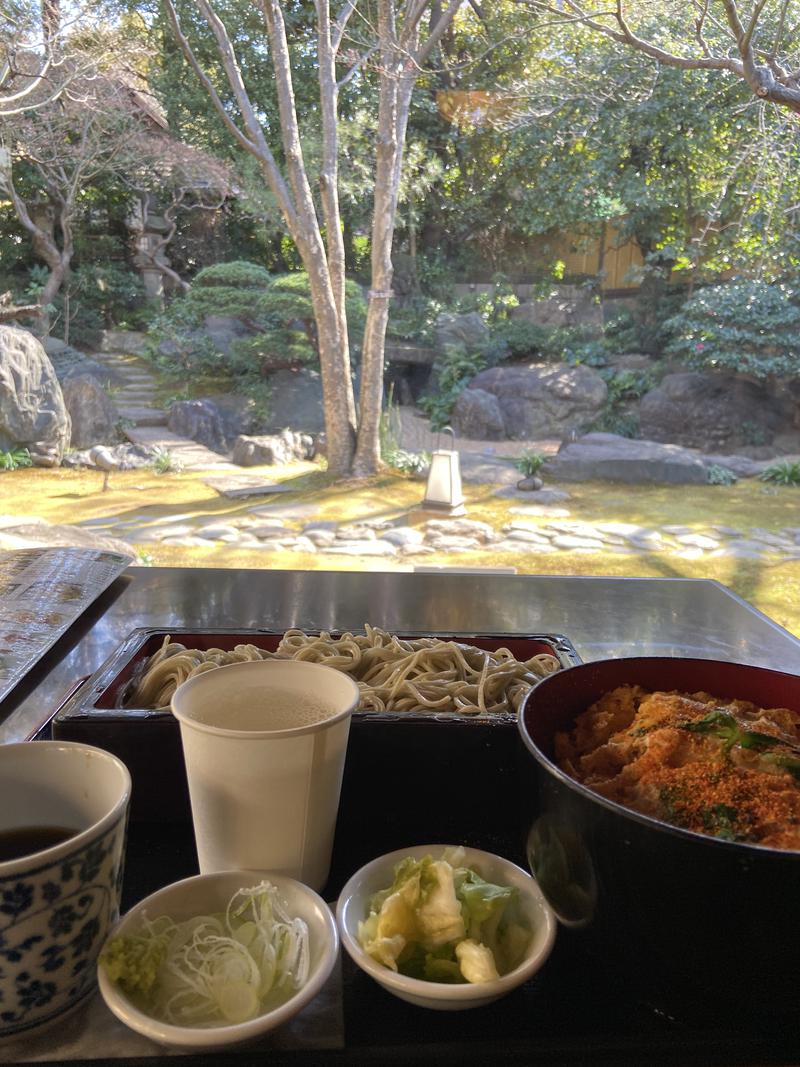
x: 464, y: 770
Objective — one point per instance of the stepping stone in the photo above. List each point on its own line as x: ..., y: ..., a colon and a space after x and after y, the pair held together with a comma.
x: 697, y: 541
x: 523, y: 546
x: 244, y: 485
x: 292, y: 512
x: 144, y: 416
x: 545, y: 510
x: 569, y: 543
x: 361, y: 548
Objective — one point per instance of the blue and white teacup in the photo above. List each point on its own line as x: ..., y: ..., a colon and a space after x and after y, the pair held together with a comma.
x: 58, y: 902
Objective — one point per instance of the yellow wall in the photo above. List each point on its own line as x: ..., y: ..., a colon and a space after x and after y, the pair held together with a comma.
x: 618, y: 261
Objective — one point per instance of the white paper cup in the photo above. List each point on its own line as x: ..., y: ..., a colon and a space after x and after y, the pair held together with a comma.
x: 265, y: 743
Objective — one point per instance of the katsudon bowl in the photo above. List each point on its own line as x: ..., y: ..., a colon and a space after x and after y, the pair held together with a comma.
x: 701, y: 927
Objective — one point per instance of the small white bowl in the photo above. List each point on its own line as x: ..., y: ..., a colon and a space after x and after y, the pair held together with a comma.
x: 353, y: 906
x: 206, y: 894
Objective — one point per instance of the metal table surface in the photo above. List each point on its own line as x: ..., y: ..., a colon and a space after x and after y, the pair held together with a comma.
x: 571, y: 1016
x: 603, y: 617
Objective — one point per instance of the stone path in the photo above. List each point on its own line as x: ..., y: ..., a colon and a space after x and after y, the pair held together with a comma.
x: 145, y: 423
x: 537, y: 529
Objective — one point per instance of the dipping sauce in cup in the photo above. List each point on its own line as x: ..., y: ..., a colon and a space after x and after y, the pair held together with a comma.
x: 265, y: 744
x: 63, y: 815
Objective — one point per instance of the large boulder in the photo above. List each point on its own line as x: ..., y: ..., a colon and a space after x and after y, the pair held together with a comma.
x: 69, y: 362
x: 200, y: 421
x: 712, y: 412
x: 606, y: 456
x: 543, y: 399
x: 568, y: 305
x: 477, y: 414
x: 95, y: 419
x: 32, y: 410
x: 238, y: 413
x: 467, y: 330
x: 272, y: 449
x: 295, y: 400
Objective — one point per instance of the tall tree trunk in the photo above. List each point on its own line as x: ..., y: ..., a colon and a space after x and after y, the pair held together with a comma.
x: 396, y: 87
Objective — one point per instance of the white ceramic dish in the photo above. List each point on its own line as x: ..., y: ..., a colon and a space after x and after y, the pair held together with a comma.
x: 210, y: 893
x: 352, y: 909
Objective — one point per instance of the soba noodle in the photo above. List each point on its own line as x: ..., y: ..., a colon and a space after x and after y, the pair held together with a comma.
x: 393, y: 674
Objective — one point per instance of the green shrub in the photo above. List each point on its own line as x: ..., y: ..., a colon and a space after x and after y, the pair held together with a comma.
x: 225, y: 300
x: 454, y: 368
x: 164, y: 462
x: 530, y: 462
x: 13, y: 458
x: 623, y: 388
x: 522, y: 339
x: 238, y: 274
x: 621, y: 423
x: 414, y: 320
x: 783, y: 473
x: 716, y: 474
x: 750, y: 327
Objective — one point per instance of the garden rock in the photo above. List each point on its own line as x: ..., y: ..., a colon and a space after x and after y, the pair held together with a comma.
x: 467, y: 330
x: 569, y: 305
x: 237, y: 412
x: 631, y: 361
x: 712, y: 412
x: 544, y: 399
x: 223, y: 330
x: 531, y: 484
x: 477, y: 415
x: 618, y: 459
x: 272, y: 449
x: 68, y: 362
x: 32, y: 410
x: 741, y: 466
x: 479, y: 469
x: 31, y: 535
x: 95, y: 419
x: 295, y: 400
x: 124, y: 456
x: 200, y: 421
x: 129, y: 342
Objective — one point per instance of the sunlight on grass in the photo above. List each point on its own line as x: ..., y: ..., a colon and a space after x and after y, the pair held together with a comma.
x: 141, y: 497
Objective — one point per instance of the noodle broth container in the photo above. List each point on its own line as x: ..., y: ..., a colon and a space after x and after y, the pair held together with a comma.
x: 264, y: 744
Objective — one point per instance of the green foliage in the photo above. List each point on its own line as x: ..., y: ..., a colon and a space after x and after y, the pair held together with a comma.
x: 749, y: 327
x: 452, y: 371
x: 623, y: 389
x: 274, y: 349
x: 13, y: 459
x: 414, y: 320
x: 494, y: 306
x: 716, y: 474
x: 227, y: 300
x: 391, y: 453
x: 621, y: 423
x: 288, y: 330
x: 530, y: 462
x: 237, y: 274
x: 783, y: 473
x: 521, y: 339
x: 276, y: 314
x: 629, y: 385
x: 99, y: 296
x: 164, y: 462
